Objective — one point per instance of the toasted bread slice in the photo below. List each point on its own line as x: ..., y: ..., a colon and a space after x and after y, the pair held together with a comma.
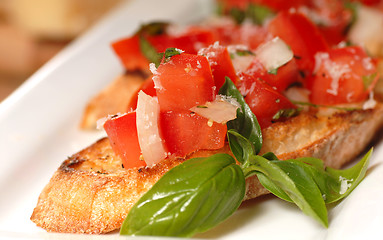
x: 113, y: 99
x: 92, y: 193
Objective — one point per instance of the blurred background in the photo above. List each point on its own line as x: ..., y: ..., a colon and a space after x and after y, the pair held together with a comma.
x: 33, y: 31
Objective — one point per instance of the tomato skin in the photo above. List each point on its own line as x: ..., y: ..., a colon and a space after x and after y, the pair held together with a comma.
x: 190, y: 41
x: 339, y: 77
x: 147, y: 87
x: 183, y: 82
x: 193, y: 39
x: 263, y: 100
x: 250, y: 35
x: 221, y: 64
x: 301, y: 35
x: 122, y: 133
x: 185, y: 132
x: 129, y: 52
x: 285, y: 76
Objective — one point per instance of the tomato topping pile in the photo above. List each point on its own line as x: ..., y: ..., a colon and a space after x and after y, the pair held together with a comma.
x: 308, y: 51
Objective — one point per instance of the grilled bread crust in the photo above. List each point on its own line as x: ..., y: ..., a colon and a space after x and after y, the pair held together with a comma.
x: 113, y: 99
x: 92, y: 193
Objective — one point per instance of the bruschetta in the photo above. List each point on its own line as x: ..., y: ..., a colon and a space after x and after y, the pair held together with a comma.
x: 311, y: 96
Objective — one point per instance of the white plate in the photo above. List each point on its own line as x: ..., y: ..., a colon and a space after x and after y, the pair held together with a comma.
x: 39, y: 129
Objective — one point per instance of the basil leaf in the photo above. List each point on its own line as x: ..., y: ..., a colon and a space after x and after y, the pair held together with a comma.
x: 292, y: 182
x: 153, y: 28
x: 170, y: 52
x: 368, y: 80
x: 192, y: 197
x: 259, y: 13
x: 273, y: 71
x: 335, y: 184
x: 246, y: 122
x: 241, y: 148
x: 149, y: 51
x: 286, y: 113
x: 238, y: 15
x: 270, y: 156
x: 325, y: 106
x: 272, y: 187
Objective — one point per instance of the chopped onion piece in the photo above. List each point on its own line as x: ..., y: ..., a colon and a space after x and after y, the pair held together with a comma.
x: 150, y: 141
x: 370, y: 103
x: 274, y: 54
x: 221, y: 110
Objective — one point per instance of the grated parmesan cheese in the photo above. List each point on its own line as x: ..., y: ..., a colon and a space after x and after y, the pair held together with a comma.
x: 344, y: 184
x: 370, y: 103
x: 336, y: 71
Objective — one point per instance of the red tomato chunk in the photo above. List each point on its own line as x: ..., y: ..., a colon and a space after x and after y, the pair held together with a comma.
x: 186, y: 132
x: 122, y: 133
x: 344, y: 75
x: 183, y: 82
x: 263, y: 100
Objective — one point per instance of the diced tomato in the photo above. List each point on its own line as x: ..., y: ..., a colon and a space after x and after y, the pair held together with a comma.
x: 190, y: 41
x: 129, y: 52
x: 147, y: 87
x: 262, y: 99
x: 224, y: 31
x: 186, y: 132
x: 285, y: 76
x: 301, y: 35
x: 220, y: 63
x: 250, y: 35
x: 344, y: 75
x: 183, y: 82
x: 332, y: 19
x: 122, y: 133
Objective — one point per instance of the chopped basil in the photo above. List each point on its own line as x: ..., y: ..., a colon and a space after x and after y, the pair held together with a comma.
x: 286, y: 113
x: 259, y: 13
x: 256, y: 13
x: 245, y: 52
x: 149, y: 51
x: 324, y: 106
x: 238, y: 15
x: 201, y: 106
x: 368, y: 80
x: 353, y: 8
x: 153, y: 28
x: 273, y: 71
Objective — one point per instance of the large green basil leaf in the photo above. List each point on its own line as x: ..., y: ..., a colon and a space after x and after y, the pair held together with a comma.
x: 246, y: 122
x: 192, y: 197
x: 335, y: 184
x: 293, y: 183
